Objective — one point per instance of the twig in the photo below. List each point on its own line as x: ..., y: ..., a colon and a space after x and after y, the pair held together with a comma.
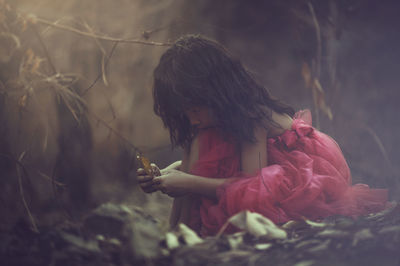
x: 46, y: 52
x: 318, y: 35
x: 105, y: 67
x: 19, y: 165
x: 51, y: 179
x: 115, y: 132
x: 105, y: 38
x: 104, y: 63
x: 317, y: 60
x: 222, y: 229
x: 103, y: 51
x: 55, y: 191
x: 383, y: 151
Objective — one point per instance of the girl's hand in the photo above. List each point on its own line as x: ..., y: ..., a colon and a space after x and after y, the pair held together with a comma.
x: 176, y: 165
x: 173, y: 182
x: 146, y: 181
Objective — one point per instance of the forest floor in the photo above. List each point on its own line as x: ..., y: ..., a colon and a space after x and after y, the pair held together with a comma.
x: 117, y: 235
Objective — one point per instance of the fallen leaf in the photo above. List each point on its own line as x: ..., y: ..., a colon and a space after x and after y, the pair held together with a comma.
x: 333, y: 233
x: 235, y: 240
x: 257, y: 225
x: 315, y: 224
x: 171, y: 240
x: 190, y: 236
x: 361, y: 235
x: 263, y: 246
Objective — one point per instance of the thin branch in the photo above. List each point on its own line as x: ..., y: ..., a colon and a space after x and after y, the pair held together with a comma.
x: 100, y: 37
x: 103, y: 52
x: 19, y: 166
x: 318, y: 36
x: 51, y: 179
x: 317, y: 60
x: 115, y: 132
x: 383, y: 151
x: 101, y: 73
x: 104, y: 63
x: 46, y: 52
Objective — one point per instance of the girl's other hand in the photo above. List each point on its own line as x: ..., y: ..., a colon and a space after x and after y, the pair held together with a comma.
x: 173, y: 182
x: 146, y: 181
x: 176, y: 165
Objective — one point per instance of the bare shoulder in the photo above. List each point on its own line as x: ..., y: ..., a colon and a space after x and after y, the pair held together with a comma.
x: 283, y: 122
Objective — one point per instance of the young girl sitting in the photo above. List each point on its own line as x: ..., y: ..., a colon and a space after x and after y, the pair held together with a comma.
x: 243, y: 149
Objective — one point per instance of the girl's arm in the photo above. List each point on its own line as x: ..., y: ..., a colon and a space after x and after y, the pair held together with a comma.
x: 176, y: 182
x: 253, y: 158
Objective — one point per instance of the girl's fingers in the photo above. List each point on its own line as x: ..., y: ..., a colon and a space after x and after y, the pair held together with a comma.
x: 157, y: 183
x: 150, y: 185
x: 144, y: 178
x: 147, y: 184
x: 140, y: 171
x: 150, y: 190
x: 157, y: 180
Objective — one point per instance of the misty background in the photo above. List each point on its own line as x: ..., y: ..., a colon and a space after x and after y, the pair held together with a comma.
x: 61, y: 163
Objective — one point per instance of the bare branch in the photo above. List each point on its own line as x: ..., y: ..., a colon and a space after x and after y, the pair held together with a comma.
x: 46, y: 52
x: 115, y: 132
x: 101, y: 73
x: 104, y: 63
x: 318, y: 35
x: 19, y: 166
x: 317, y: 64
x: 105, y: 38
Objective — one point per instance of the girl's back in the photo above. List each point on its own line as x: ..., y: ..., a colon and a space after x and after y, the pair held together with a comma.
x: 307, y: 176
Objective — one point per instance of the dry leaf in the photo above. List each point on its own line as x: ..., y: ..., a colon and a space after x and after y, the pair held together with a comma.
x: 171, y: 240
x: 257, y: 225
x: 22, y: 101
x: 315, y: 224
x: 29, y: 56
x: 31, y: 18
x: 36, y: 64
x: 263, y: 246
x: 290, y: 225
x: 190, y: 236
x: 235, y: 240
x: 363, y: 234
x: 32, y: 62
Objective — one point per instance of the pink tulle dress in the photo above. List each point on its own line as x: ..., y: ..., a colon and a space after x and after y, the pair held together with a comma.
x: 307, y: 177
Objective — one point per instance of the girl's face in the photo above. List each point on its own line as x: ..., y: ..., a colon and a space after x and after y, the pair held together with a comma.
x: 199, y: 117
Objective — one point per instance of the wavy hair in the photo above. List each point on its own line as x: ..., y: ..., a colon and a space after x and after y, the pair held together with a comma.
x: 197, y: 71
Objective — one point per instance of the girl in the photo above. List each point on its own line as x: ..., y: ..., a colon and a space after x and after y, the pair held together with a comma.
x: 243, y: 149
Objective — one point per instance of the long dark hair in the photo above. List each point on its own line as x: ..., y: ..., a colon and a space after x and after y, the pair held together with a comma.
x: 197, y: 71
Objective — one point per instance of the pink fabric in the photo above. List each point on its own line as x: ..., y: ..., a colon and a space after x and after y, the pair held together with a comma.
x: 307, y: 177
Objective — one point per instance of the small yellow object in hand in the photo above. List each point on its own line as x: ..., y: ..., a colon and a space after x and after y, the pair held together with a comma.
x: 146, y: 164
